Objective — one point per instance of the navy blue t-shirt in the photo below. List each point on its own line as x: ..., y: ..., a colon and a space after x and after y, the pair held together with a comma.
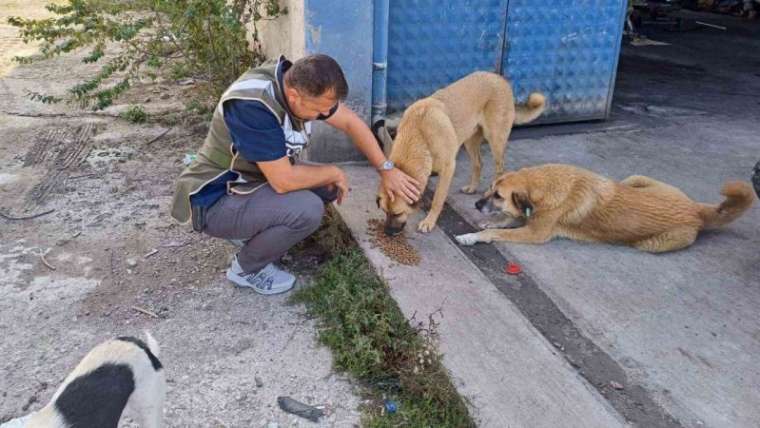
x: 256, y: 132
x: 258, y: 137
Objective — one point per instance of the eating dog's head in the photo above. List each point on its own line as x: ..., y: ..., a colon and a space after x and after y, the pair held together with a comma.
x: 396, y: 212
x: 510, y: 195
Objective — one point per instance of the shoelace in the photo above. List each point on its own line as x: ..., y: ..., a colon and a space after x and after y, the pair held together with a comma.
x: 260, y: 280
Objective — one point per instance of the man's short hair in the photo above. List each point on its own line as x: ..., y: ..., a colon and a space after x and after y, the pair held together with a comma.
x: 317, y: 74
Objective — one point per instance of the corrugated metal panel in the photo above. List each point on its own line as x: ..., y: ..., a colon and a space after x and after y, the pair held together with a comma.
x: 433, y: 43
x: 567, y: 49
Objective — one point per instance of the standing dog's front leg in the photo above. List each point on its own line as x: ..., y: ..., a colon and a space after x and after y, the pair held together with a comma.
x: 531, y: 234
x: 439, y: 198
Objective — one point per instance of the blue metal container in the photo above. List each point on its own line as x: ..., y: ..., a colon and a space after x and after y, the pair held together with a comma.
x: 395, y: 52
x: 566, y: 49
x: 433, y: 43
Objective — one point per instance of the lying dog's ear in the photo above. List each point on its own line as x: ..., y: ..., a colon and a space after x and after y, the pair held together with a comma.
x: 523, y: 203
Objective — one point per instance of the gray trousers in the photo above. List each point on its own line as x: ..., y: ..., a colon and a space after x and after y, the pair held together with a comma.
x: 271, y: 223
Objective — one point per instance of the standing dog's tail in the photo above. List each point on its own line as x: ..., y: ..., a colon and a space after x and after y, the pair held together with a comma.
x: 531, y: 110
x: 739, y: 197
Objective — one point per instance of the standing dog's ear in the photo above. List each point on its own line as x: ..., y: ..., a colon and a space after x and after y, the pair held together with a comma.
x: 383, y: 137
x: 522, y: 203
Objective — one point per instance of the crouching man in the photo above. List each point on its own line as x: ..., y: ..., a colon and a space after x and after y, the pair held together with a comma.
x: 246, y: 183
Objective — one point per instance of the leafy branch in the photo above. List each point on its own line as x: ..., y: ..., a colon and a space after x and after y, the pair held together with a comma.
x: 204, y: 40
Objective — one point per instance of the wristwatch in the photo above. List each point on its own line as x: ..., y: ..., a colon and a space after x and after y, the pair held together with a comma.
x: 387, y: 165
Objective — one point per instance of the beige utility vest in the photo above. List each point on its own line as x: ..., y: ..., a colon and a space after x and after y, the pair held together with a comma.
x: 217, y: 156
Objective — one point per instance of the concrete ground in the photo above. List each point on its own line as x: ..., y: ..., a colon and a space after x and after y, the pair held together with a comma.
x: 665, y: 340
x: 114, y: 252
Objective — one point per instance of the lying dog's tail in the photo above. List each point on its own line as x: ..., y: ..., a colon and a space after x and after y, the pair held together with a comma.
x: 531, y: 110
x: 739, y: 197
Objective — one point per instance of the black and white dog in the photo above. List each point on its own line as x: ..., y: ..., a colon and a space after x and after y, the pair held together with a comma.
x: 115, y: 374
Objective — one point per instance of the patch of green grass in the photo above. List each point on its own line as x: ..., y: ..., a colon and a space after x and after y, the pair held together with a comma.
x: 135, y: 114
x: 202, y: 109
x: 371, y: 340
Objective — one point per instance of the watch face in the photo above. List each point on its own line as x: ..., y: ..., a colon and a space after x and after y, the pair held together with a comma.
x: 387, y: 165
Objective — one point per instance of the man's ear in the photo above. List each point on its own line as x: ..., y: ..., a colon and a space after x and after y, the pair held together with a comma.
x: 523, y: 203
x: 291, y: 93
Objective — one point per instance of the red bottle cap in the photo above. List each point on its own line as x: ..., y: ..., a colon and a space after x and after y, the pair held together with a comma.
x: 513, y: 268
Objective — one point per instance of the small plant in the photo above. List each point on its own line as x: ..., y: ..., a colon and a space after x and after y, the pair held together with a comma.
x: 197, y: 107
x: 135, y: 114
x: 204, y: 40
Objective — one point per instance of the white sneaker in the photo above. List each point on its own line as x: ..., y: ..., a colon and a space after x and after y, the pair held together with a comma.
x: 269, y: 280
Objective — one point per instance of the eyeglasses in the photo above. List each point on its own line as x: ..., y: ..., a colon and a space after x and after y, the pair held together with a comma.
x: 332, y: 111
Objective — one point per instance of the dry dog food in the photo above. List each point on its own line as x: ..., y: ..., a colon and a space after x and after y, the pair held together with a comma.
x: 395, y: 247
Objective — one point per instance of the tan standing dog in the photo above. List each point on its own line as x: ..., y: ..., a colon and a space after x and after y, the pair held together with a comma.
x: 566, y: 201
x: 480, y: 105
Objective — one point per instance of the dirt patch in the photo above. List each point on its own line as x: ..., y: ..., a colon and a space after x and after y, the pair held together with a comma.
x: 117, y: 264
x: 10, y: 43
x: 394, y: 247
x: 122, y: 265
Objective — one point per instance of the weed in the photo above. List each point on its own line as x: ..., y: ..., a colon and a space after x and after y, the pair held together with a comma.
x: 135, y: 114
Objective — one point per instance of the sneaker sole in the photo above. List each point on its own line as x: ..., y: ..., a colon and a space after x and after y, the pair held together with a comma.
x: 234, y: 278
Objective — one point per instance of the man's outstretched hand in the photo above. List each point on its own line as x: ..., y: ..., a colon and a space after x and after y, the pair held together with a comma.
x: 397, y: 184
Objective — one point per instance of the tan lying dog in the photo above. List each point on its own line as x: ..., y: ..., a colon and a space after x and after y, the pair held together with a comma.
x: 570, y: 202
x: 433, y: 129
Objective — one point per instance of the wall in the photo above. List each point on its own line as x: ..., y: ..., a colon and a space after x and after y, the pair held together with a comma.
x: 284, y: 35
x: 343, y: 30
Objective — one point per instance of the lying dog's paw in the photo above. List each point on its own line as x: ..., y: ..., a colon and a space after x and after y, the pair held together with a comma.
x: 426, y: 225
x: 468, y: 189
x: 501, y: 223
x: 467, y: 239
x: 489, y: 224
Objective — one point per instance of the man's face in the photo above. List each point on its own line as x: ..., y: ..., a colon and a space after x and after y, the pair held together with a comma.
x: 308, y: 107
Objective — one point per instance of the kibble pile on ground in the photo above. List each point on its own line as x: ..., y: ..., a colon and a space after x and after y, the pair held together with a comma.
x: 395, y: 247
